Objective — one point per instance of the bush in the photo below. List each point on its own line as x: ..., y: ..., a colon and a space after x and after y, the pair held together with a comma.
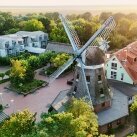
x: 50, y: 70
x: 28, y: 87
x: 4, y: 61
x: 2, y: 75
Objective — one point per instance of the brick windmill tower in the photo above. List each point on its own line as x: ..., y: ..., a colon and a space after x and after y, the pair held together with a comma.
x: 89, y: 79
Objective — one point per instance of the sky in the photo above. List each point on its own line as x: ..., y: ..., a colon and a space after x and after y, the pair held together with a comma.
x: 65, y: 2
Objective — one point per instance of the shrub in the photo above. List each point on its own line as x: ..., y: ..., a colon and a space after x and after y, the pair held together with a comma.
x: 4, y: 61
x: 2, y: 75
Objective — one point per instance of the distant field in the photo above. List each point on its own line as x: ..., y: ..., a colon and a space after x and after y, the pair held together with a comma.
x: 69, y: 9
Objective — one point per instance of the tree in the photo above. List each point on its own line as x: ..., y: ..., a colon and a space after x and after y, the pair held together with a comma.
x: 2, y: 75
x: 83, y: 110
x: 7, y: 22
x: 46, y: 57
x: 18, y: 124
x: 58, y: 33
x: 133, y: 31
x: 85, y: 29
x: 41, y: 133
x: 133, y: 107
x: 46, y: 23
x: 32, y: 25
x: 123, y: 26
x: 21, y: 72
x: 118, y: 41
x: 60, y: 59
x: 104, y: 16
x: 34, y: 62
x: 78, y: 120
x: 134, y: 135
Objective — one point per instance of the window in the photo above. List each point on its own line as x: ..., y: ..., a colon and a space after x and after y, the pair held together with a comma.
x: 75, y: 88
x: 113, y: 74
x: 109, y: 125
x: 114, y: 66
x: 101, y: 91
x: 99, y: 77
x: 77, y: 76
x: 20, y: 42
x: 130, y: 98
x: 103, y: 104
x: 122, y: 76
x: 118, y: 121
x: 88, y: 78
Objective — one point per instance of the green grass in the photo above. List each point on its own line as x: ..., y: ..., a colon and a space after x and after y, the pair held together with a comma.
x: 28, y: 87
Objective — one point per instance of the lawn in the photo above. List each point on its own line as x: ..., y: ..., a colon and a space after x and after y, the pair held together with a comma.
x: 28, y: 87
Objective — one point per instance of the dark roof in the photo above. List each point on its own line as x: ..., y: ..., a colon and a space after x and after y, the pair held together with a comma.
x: 60, y: 47
x: 118, y: 109
x: 125, y: 88
x: 3, y: 117
x: 94, y: 56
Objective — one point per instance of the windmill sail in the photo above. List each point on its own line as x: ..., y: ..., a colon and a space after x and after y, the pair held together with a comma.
x: 53, y: 76
x: 103, y: 33
x: 73, y: 37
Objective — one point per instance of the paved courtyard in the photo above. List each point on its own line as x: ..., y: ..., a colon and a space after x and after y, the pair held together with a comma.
x: 39, y: 101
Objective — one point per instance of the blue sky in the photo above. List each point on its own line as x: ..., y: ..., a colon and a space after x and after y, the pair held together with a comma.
x: 65, y: 2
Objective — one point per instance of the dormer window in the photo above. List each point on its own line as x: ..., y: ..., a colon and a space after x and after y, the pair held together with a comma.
x: 114, y: 66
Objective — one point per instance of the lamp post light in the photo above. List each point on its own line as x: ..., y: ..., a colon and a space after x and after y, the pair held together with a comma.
x: 12, y: 102
x: 1, y: 98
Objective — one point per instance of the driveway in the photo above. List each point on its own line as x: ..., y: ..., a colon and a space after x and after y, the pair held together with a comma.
x: 37, y: 102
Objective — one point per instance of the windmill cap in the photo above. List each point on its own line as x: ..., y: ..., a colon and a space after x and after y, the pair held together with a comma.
x: 94, y: 56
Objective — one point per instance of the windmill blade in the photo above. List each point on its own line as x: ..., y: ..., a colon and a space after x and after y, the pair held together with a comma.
x: 84, y: 79
x: 103, y: 45
x: 103, y: 32
x: 56, y: 74
x: 73, y: 37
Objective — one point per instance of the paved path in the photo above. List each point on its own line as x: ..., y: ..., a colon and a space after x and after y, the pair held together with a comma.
x: 4, y: 69
x: 36, y: 102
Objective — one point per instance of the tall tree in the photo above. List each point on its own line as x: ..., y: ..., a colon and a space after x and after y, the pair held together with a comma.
x: 32, y: 25
x: 18, y: 124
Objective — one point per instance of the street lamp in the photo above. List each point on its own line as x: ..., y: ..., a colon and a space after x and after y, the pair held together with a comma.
x: 1, y: 98
x: 12, y: 102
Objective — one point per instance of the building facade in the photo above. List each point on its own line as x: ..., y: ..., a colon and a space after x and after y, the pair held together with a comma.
x: 21, y: 41
x: 122, y: 66
x: 11, y: 45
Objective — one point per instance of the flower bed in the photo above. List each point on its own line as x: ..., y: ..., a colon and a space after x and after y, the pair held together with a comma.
x: 28, y: 87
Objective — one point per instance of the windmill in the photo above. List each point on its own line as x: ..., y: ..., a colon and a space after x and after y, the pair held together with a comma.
x: 80, y: 54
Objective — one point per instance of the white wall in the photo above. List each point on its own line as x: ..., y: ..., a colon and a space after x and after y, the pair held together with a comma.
x: 120, y: 70
x: 3, y: 53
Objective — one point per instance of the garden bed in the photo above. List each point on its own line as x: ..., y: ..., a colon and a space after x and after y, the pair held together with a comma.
x: 28, y: 87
